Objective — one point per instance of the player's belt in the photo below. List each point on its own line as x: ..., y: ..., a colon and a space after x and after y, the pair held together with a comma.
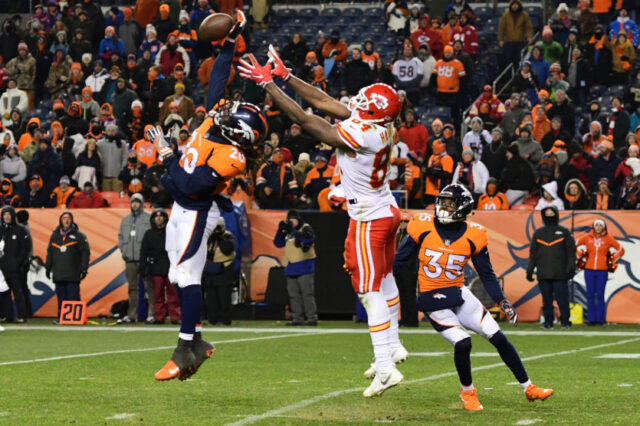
x: 353, y: 201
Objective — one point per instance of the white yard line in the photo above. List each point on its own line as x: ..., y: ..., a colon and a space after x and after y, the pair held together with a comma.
x: 126, y: 351
x: 304, y: 403
x: 307, y: 330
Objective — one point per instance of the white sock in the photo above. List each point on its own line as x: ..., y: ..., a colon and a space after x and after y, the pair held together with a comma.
x: 525, y: 385
x: 198, y: 328
x: 390, y: 291
x: 186, y: 336
x: 468, y: 388
x: 379, y: 325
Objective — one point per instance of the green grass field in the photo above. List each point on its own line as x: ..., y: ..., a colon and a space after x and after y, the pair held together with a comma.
x: 265, y: 373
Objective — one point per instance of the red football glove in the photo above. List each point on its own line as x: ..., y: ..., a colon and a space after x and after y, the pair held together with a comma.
x: 279, y: 70
x: 254, y: 71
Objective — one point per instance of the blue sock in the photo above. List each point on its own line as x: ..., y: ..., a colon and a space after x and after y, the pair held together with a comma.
x: 462, y: 360
x: 191, y: 305
x: 510, y: 356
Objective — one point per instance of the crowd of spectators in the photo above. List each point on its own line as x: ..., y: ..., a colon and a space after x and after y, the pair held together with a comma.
x: 82, y: 83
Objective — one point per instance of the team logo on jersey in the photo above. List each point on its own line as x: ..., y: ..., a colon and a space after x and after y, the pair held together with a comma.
x: 447, y: 243
x: 439, y: 296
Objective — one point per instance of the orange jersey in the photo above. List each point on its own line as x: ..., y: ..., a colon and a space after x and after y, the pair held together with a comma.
x: 442, y: 262
x: 370, y: 59
x: 433, y: 185
x: 596, y: 249
x: 449, y: 73
x: 496, y: 202
x: 145, y: 151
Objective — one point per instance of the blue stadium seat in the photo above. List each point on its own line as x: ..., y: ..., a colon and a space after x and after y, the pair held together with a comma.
x: 286, y: 13
x: 351, y: 11
x: 617, y: 90
x: 374, y: 12
x: 331, y: 12
x: 597, y: 90
x: 441, y: 112
x: 534, y: 11
x: 482, y: 12
x: 500, y: 11
x: 309, y: 12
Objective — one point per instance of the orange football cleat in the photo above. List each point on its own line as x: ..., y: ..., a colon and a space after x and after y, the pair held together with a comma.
x: 534, y: 392
x: 181, y: 365
x: 470, y: 400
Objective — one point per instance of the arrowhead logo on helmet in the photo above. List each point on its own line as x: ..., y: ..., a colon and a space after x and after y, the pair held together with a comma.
x: 378, y: 103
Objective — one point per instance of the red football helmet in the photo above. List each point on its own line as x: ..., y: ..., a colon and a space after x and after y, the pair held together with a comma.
x: 377, y: 103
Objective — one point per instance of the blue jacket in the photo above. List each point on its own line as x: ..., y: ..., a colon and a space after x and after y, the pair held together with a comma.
x: 107, y: 46
x: 302, y: 236
x: 629, y: 27
x: 541, y: 69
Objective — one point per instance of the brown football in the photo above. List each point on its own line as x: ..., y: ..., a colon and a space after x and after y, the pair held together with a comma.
x: 215, y: 27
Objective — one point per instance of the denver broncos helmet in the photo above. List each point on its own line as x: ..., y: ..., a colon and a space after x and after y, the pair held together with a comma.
x: 463, y: 202
x: 240, y: 123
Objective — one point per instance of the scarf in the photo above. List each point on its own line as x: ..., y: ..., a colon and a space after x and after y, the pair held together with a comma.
x: 602, y: 201
x: 612, y: 120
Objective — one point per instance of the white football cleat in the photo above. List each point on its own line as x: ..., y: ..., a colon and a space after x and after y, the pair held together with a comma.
x: 383, y: 381
x: 398, y: 355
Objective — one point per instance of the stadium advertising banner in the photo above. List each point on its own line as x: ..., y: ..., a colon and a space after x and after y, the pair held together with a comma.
x: 509, y: 234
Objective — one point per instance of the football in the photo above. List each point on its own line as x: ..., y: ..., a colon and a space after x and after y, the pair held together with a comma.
x: 215, y: 27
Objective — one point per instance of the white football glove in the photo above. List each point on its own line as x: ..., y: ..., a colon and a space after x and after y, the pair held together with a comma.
x: 508, y: 310
x: 156, y: 136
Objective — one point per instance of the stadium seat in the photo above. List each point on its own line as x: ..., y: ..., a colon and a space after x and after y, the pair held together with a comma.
x: 374, y: 12
x: 331, y: 12
x: 440, y: 111
x: 309, y: 12
x: 482, y: 12
x: 352, y: 11
x: 617, y: 90
x: 286, y: 13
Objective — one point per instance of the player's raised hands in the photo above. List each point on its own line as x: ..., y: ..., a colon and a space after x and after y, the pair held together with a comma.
x: 260, y: 74
x: 238, y: 27
x: 279, y: 70
x: 156, y: 136
x: 508, y: 310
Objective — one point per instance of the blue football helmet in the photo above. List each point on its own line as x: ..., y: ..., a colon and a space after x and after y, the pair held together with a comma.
x: 463, y: 204
x: 239, y: 123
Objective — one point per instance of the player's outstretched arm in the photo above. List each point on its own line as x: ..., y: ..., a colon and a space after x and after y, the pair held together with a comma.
x: 310, y: 123
x: 221, y: 69
x: 482, y: 263
x: 315, y: 97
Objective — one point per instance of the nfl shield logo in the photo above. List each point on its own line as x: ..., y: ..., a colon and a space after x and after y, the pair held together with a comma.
x: 447, y: 243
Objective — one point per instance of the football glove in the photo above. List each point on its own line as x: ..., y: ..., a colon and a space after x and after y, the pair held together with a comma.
x: 238, y: 27
x: 279, y: 70
x: 508, y: 310
x: 261, y: 75
x: 162, y: 146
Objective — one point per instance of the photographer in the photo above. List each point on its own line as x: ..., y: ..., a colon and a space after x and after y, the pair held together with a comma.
x: 218, y: 276
x: 154, y: 263
x: 299, y: 257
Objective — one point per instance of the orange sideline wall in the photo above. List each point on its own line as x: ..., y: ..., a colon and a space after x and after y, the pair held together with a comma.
x: 509, y: 234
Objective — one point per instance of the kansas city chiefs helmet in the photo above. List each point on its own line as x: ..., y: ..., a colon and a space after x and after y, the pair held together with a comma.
x: 377, y: 103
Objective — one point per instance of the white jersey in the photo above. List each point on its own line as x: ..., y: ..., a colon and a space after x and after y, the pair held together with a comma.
x: 365, y: 170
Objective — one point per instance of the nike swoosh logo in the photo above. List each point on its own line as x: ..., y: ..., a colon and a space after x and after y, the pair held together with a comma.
x: 233, y: 166
x: 384, y: 382
x: 175, y: 370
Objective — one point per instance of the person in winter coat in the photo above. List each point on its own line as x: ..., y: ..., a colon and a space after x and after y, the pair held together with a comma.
x: 492, y: 199
x: 295, y: 51
x: 575, y: 195
x: 97, y: 79
x: 596, y: 257
x: 557, y: 132
x: 539, y: 65
x: 494, y: 155
x: 477, y: 138
x: 619, y: 122
x: 529, y: 149
x: 14, y: 250
x: 163, y: 22
x: 185, y: 106
x: 22, y: 68
x: 37, y: 197
x: 219, y: 274
x: 90, y: 108
x: 12, y: 98
x: 122, y: 98
x: 153, y: 189
x: 89, y: 164
x: 602, y: 198
x: 47, y: 164
x: 605, y: 165
x: 591, y: 141
x: 88, y: 198
x: 514, y: 31
x: 133, y: 173
x: 552, y: 255
x: 62, y: 195
x: 171, y: 54
x: 512, y: 118
x: 357, y: 73
x: 151, y: 43
x: 624, y: 58
x: 113, y: 152
x: 549, y: 192
x: 414, y: 134
x: 7, y: 196
x: 129, y: 32
x: 73, y: 121
x: 517, y: 176
x: 426, y: 34
x: 563, y: 109
x: 132, y: 230
x: 14, y: 168
x: 471, y: 173
x: 59, y: 72
x: 18, y: 126
x: 276, y: 186
x: 67, y: 259
x: 317, y: 179
x: 154, y: 265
